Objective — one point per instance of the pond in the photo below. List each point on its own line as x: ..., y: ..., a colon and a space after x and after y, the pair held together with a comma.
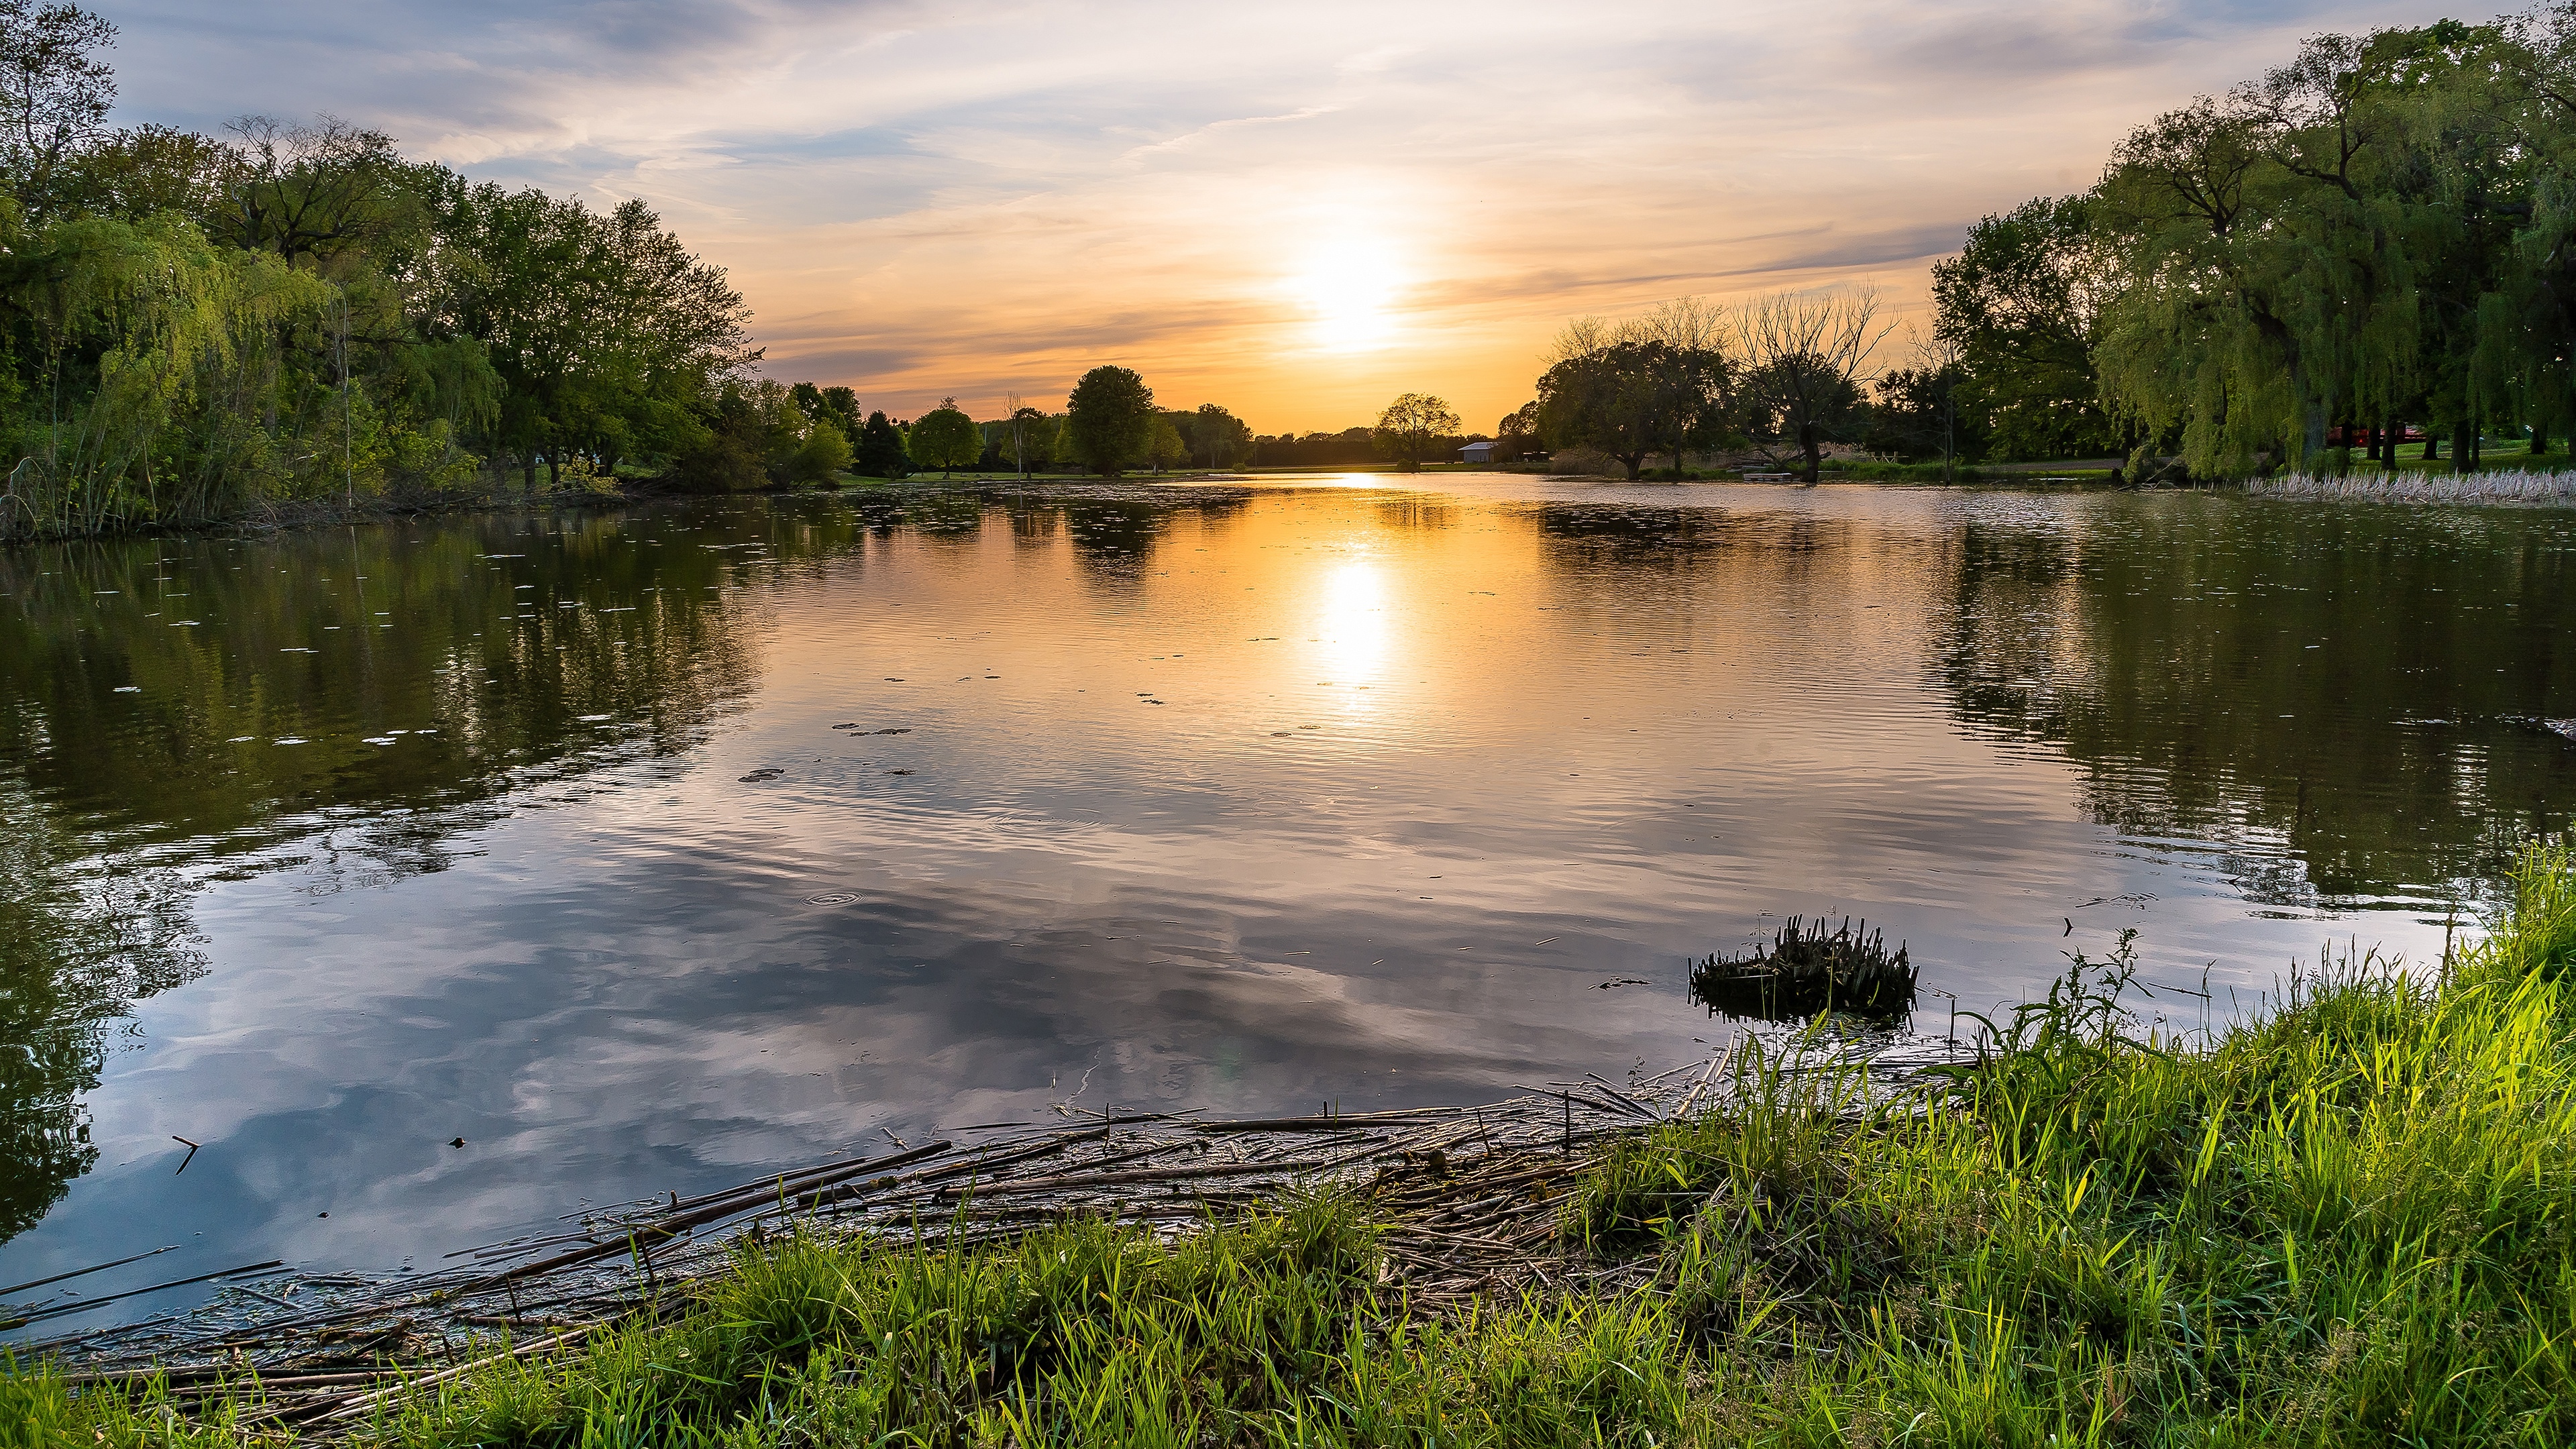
x: 378, y: 892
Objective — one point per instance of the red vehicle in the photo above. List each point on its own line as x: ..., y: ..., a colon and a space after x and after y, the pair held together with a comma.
x: 2358, y: 436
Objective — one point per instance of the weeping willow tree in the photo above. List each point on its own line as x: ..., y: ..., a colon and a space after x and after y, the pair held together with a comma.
x: 193, y: 327
x: 160, y: 358
x: 2379, y: 234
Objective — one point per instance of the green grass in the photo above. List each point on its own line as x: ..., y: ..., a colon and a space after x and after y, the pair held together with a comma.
x: 2346, y: 1223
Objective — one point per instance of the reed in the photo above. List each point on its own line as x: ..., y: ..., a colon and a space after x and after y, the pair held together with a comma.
x: 2350, y: 1221
x: 1807, y: 970
x: 2504, y: 485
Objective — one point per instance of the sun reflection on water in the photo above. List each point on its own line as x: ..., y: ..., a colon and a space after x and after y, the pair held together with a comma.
x: 1351, y: 629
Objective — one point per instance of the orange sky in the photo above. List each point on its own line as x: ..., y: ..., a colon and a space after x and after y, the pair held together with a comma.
x: 1294, y: 211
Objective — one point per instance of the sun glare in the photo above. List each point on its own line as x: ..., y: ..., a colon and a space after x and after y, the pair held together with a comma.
x: 1348, y: 288
x: 1352, y: 627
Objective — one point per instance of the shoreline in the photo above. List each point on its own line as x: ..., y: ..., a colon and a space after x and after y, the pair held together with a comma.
x: 2277, y: 1233
x: 2494, y: 487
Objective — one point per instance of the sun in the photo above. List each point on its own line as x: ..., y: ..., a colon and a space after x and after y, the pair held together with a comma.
x: 1348, y: 288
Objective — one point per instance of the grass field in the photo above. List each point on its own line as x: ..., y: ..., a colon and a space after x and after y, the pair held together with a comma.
x: 2346, y: 1223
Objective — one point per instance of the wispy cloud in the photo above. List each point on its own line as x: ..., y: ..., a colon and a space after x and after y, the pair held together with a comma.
x: 1191, y: 138
x: 926, y: 201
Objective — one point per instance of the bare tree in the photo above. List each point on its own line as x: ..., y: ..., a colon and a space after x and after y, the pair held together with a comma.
x: 315, y: 191
x: 1805, y: 356
x: 1655, y: 383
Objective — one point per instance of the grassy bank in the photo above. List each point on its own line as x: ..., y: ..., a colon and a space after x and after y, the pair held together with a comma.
x: 2349, y: 1222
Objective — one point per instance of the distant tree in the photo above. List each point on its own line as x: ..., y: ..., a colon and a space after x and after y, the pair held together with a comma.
x: 1217, y: 435
x: 1164, y: 445
x: 822, y: 455
x: 1412, y: 429
x: 322, y: 191
x: 1633, y: 398
x: 1518, y: 434
x: 1032, y: 436
x: 945, y: 438
x: 1920, y: 410
x: 880, y: 451
x: 1109, y: 420
x: 1806, y: 356
x: 136, y: 173
x: 837, y: 405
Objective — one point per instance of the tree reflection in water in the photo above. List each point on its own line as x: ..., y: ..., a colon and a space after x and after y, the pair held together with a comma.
x: 79, y: 944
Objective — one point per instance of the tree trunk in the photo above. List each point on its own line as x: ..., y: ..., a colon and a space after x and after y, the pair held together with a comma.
x: 1813, y: 447
x: 2539, y: 435
x: 2432, y: 444
x: 2464, y: 449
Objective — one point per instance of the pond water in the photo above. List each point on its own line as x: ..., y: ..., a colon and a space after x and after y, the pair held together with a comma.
x: 642, y: 851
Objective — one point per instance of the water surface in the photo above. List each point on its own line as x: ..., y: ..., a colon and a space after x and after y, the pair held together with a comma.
x: 646, y: 850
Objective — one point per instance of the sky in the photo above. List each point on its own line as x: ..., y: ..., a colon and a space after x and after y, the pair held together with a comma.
x: 1297, y: 211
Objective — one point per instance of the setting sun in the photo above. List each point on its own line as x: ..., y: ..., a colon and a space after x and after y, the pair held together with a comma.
x: 1347, y: 289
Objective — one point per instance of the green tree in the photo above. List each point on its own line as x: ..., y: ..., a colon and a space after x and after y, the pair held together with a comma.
x: 1519, y: 434
x: 54, y: 98
x: 880, y: 449
x: 1032, y: 437
x: 945, y: 438
x: 1632, y: 398
x: 1806, y: 357
x: 2020, y: 304
x: 1412, y: 428
x: 822, y: 455
x: 1109, y: 420
x: 1164, y: 445
x: 1217, y: 436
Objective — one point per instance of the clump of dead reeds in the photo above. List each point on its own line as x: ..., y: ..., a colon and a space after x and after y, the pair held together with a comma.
x: 1807, y: 970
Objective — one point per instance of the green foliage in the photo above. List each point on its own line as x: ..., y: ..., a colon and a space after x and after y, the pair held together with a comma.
x: 881, y: 449
x: 822, y: 456
x: 2020, y: 305
x: 1164, y: 445
x: 1413, y: 427
x: 1631, y: 396
x: 945, y: 438
x: 199, y: 326
x: 1927, y: 412
x: 1109, y: 421
x: 1216, y: 436
x: 2362, y: 236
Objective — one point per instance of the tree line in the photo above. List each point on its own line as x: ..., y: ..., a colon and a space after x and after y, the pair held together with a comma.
x: 2370, y: 241
x: 191, y: 325
x: 1785, y: 374
x: 2371, y: 246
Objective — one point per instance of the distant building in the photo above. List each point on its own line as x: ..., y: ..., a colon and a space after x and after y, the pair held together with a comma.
x: 1476, y: 453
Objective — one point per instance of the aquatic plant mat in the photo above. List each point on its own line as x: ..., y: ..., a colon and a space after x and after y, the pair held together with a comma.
x: 2348, y: 1222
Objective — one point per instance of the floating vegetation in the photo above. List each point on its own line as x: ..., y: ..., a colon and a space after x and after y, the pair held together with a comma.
x: 1808, y: 970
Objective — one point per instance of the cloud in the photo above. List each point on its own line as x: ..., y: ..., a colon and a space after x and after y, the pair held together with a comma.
x: 1192, y: 138
x: 922, y: 201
